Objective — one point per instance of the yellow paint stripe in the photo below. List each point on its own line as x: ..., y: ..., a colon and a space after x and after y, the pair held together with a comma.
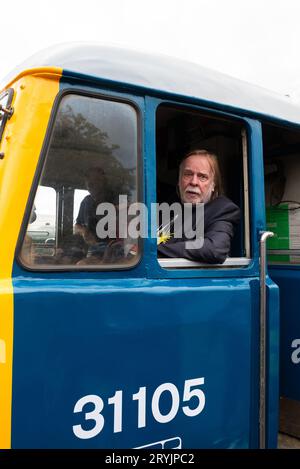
x: 2, y: 351
x: 45, y: 72
x: 35, y: 91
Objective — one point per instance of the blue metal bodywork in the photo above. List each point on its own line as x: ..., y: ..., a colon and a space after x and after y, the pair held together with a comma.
x: 288, y: 278
x: 95, y: 333
x: 98, y: 336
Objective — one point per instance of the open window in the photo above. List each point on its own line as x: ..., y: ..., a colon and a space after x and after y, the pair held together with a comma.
x: 179, y: 130
x: 282, y: 193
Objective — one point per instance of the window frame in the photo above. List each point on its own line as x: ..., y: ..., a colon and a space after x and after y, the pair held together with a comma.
x: 248, y: 267
x: 101, y: 95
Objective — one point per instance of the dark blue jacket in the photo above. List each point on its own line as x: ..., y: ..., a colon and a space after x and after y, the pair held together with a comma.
x: 220, y: 217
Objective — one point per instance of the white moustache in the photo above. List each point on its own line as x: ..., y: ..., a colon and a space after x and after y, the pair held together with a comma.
x: 195, y: 190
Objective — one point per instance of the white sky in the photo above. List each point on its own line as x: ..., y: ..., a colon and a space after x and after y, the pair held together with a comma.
x: 255, y: 40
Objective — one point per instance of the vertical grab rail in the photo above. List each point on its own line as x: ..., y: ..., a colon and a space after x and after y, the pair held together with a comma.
x: 262, y: 378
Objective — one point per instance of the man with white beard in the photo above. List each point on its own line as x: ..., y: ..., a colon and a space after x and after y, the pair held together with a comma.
x: 200, y: 182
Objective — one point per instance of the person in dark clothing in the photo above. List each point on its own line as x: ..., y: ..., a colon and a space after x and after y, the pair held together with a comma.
x: 200, y: 182
x: 86, y: 222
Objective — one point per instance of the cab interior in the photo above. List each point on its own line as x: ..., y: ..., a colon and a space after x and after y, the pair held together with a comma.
x: 180, y: 130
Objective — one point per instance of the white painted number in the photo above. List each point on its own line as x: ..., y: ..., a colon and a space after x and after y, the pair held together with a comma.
x: 197, y: 393
x: 171, y: 398
x: 141, y: 398
x: 165, y: 418
x: 94, y: 415
x: 116, y: 401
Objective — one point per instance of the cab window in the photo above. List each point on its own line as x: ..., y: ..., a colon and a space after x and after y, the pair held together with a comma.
x: 281, y: 146
x: 179, y: 130
x: 91, y: 161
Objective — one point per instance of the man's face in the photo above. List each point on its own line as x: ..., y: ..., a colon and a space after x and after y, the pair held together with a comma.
x: 96, y: 185
x: 196, y: 182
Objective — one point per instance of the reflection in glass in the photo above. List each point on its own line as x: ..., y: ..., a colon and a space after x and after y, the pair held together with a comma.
x: 92, y: 158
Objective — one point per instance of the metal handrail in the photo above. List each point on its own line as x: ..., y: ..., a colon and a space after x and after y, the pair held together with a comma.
x: 263, y: 321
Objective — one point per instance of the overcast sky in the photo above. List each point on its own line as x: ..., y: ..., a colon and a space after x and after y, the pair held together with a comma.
x: 255, y: 40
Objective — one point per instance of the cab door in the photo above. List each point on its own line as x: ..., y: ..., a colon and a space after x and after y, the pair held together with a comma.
x: 218, y: 307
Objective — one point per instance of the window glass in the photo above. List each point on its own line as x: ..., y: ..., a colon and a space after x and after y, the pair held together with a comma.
x: 40, y: 237
x: 91, y: 166
x: 79, y: 195
x: 282, y: 192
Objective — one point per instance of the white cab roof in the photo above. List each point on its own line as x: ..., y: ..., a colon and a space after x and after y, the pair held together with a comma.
x: 163, y: 73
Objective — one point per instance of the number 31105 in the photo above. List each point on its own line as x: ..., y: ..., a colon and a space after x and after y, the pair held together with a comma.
x: 191, y: 390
